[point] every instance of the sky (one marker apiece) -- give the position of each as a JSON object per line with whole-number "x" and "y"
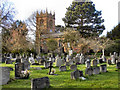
{"x": 25, "y": 8}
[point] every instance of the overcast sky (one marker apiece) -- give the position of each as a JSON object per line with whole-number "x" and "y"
{"x": 25, "y": 8}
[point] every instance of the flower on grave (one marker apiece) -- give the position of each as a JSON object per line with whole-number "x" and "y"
{"x": 24, "y": 74}
{"x": 53, "y": 71}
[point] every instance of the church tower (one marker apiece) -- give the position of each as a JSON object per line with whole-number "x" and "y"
{"x": 45, "y": 24}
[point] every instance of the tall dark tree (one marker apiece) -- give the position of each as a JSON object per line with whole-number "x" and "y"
{"x": 115, "y": 33}
{"x": 84, "y": 17}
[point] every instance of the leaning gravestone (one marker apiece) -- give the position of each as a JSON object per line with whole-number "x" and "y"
{"x": 76, "y": 74}
{"x": 96, "y": 70}
{"x": 62, "y": 68}
{"x": 39, "y": 83}
{"x": 103, "y": 68}
{"x": 89, "y": 71}
{"x": 19, "y": 67}
{"x": 4, "y": 75}
{"x": 73, "y": 67}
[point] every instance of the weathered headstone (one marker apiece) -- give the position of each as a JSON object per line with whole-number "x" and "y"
{"x": 4, "y": 75}
{"x": 70, "y": 62}
{"x": 96, "y": 70}
{"x": 62, "y": 68}
{"x": 76, "y": 74}
{"x": 89, "y": 71}
{"x": 103, "y": 68}
{"x": 39, "y": 83}
{"x": 73, "y": 67}
{"x": 19, "y": 67}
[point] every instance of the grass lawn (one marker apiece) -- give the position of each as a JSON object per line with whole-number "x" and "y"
{"x": 63, "y": 79}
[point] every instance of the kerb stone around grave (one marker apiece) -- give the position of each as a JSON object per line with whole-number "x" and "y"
{"x": 62, "y": 68}
{"x": 39, "y": 83}
{"x": 4, "y": 75}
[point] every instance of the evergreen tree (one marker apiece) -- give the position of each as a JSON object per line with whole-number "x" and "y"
{"x": 115, "y": 33}
{"x": 84, "y": 17}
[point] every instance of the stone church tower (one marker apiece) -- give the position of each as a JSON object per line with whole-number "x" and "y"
{"x": 45, "y": 24}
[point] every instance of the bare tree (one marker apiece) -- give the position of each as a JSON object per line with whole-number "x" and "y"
{"x": 7, "y": 13}
{"x": 35, "y": 30}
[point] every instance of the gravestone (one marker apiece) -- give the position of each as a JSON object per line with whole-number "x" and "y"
{"x": 8, "y": 61}
{"x": 96, "y": 70}
{"x": 103, "y": 68}
{"x": 82, "y": 59}
{"x": 89, "y": 71}
{"x": 58, "y": 62}
{"x": 113, "y": 59}
{"x": 76, "y": 74}
{"x": 88, "y": 63}
{"x": 62, "y": 68}
{"x": 118, "y": 65}
{"x": 26, "y": 65}
{"x": 39, "y": 83}
{"x": 109, "y": 61}
{"x": 94, "y": 62}
{"x": 18, "y": 60}
{"x": 31, "y": 60}
{"x": 4, "y": 75}
{"x": 19, "y": 67}
{"x": 46, "y": 64}
{"x": 70, "y": 62}
{"x": 73, "y": 67}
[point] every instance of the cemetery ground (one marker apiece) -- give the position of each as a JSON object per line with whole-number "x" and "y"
{"x": 63, "y": 79}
